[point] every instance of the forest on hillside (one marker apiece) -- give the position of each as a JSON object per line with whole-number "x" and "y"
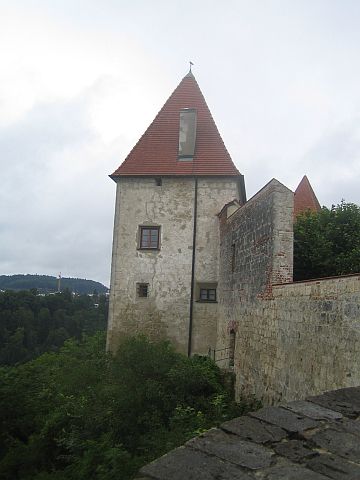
{"x": 31, "y": 324}
{"x": 49, "y": 284}
{"x": 70, "y": 411}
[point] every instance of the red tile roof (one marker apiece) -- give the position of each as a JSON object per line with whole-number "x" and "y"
{"x": 305, "y": 198}
{"x": 156, "y": 153}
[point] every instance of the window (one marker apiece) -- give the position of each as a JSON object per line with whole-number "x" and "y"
{"x": 206, "y": 292}
{"x": 207, "y": 295}
{"x": 142, "y": 290}
{"x": 149, "y": 238}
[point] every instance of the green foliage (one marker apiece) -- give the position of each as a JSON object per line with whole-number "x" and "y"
{"x": 48, "y": 284}
{"x": 82, "y": 414}
{"x": 327, "y": 243}
{"x": 31, "y": 324}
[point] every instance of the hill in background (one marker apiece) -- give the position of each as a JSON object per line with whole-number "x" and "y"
{"x": 48, "y": 284}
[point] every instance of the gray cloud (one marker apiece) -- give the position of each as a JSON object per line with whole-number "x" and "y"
{"x": 281, "y": 80}
{"x": 56, "y": 208}
{"x": 335, "y": 163}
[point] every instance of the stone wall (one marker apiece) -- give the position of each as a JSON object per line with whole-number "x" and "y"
{"x": 313, "y": 439}
{"x": 165, "y": 312}
{"x": 213, "y": 194}
{"x": 292, "y": 339}
{"x": 167, "y": 271}
{"x": 256, "y": 250}
{"x": 302, "y": 340}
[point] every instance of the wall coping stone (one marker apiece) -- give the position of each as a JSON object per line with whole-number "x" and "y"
{"x": 321, "y": 279}
{"x": 313, "y": 439}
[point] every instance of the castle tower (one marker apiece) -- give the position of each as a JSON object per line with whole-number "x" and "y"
{"x": 165, "y": 260}
{"x": 305, "y": 198}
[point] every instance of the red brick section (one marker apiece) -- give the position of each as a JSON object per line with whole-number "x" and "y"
{"x": 305, "y": 198}
{"x": 156, "y": 153}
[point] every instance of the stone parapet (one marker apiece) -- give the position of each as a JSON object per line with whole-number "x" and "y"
{"x": 314, "y": 439}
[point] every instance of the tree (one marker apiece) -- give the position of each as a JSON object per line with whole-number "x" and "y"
{"x": 327, "y": 243}
{"x": 80, "y": 413}
{"x": 31, "y": 324}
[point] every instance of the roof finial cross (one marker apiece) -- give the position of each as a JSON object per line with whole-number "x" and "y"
{"x": 191, "y": 64}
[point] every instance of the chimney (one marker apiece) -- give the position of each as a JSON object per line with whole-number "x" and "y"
{"x": 187, "y": 134}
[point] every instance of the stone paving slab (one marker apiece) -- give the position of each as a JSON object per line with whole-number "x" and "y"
{"x": 312, "y": 410}
{"x": 188, "y": 464}
{"x": 292, "y": 472}
{"x": 343, "y": 444}
{"x": 254, "y": 430}
{"x": 349, "y": 427}
{"x": 295, "y": 450}
{"x": 345, "y": 401}
{"x": 334, "y": 467}
{"x": 231, "y": 448}
{"x": 289, "y": 421}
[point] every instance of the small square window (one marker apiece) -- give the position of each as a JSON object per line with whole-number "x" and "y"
{"x": 142, "y": 290}
{"x": 208, "y": 294}
{"x": 149, "y": 238}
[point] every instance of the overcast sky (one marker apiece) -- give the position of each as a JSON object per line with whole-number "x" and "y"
{"x": 80, "y": 81}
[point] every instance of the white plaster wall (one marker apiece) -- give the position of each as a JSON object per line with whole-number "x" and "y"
{"x": 213, "y": 194}
{"x": 165, "y": 313}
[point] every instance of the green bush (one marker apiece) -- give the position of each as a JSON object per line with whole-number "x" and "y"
{"x": 327, "y": 243}
{"x": 80, "y": 414}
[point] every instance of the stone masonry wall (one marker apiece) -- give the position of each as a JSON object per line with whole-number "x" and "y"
{"x": 292, "y": 339}
{"x": 302, "y": 340}
{"x": 167, "y": 271}
{"x": 165, "y": 312}
{"x": 256, "y": 250}
{"x": 313, "y": 439}
{"x": 213, "y": 194}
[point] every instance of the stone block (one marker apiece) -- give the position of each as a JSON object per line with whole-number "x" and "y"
{"x": 344, "y": 444}
{"x": 334, "y": 467}
{"x": 345, "y": 401}
{"x": 349, "y": 426}
{"x": 285, "y": 419}
{"x": 254, "y": 430}
{"x": 312, "y": 410}
{"x": 295, "y": 450}
{"x": 292, "y": 472}
{"x": 185, "y": 463}
{"x": 231, "y": 448}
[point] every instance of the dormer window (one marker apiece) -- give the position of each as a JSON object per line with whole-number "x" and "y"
{"x": 187, "y": 134}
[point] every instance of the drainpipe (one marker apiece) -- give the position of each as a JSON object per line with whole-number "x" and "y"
{"x": 193, "y": 270}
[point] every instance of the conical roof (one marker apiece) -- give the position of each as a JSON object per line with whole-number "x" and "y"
{"x": 305, "y": 198}
{"x": 156, "y": 153}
